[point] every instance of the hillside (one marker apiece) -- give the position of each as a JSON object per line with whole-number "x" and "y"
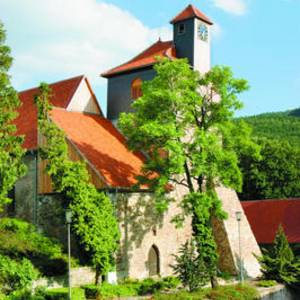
{"x": 277, "y": 125}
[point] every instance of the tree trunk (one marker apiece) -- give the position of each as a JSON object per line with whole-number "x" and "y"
{"x": 97, "y": 275}
{"x": 214, "y": 282}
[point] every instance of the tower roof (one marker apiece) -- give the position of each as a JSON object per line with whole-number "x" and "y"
{"x": 191, "y": 12}
{"x": 145, "y": 59}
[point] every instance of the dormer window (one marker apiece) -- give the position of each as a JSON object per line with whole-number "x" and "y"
{"x": 181, "y": 28}
{"x": 136, "y": 88}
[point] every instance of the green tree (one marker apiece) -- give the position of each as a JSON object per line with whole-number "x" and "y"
{"x": 184, "y": 122}
{"x": 276, "y": 175}
{"x": 189, "y": 267}
{"x": 11, "y": 152}
{"x": 279, "y": 263}
{"x": 94, "y": 218}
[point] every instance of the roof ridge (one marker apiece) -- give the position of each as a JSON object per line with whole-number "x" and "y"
{"x": 189, "y": 12}
{"x": 139, "y": 56}
{"x": 274, "y": 200}
{"x": 56, "y": 82}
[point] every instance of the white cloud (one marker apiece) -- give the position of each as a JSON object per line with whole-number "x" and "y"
{"x": 57, "y": 39}
{"x": 237, "y": 7}
{"x": 216, "y": 31}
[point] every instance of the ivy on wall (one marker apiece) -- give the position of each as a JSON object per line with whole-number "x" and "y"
{"x": 94, "y": 220}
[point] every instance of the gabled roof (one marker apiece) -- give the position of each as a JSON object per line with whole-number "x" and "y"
{"x": 102, "y": 145}
{"x": 191, "y": 12}
{"x": 145, "y": 59}
{"x": 26, "y": 122}
{"x": 265, "y": 216}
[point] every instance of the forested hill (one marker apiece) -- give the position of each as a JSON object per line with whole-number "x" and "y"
{"x": 277, "y": 125}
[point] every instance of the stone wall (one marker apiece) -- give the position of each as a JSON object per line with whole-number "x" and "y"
{"x": 25, "y": 191}
{"x": 141, "y": 228}
{"x": 227, "y": 236}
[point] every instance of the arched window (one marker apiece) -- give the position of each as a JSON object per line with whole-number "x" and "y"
{"x": 153, "y": 261}
{"x": 136, "y": 88}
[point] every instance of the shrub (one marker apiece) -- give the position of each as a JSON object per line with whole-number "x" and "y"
{"x": 190, "y": 267}
{"x": 20, "y": 239}
{"x": 170, "y": 282}
{"x": 279, "y": 262}
{"x": 234, "y": 292}
{"x": 91, "y": 291}
{"x": 109, "y": 290}
{"x": 15, "y": 275}
{"x": 266, "y": 283}
{"x": 62, "y": 294}
{"x": 237, "y": 292}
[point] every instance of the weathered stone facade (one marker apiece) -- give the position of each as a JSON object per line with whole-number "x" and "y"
{"x": 142, "y": 229}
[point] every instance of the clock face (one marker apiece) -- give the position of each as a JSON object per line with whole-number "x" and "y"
{"x": 203, "y": 32}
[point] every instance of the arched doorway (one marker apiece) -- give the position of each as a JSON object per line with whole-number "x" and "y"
{"x": 153, "y": 261}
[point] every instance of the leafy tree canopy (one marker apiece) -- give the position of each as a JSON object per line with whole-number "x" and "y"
{"x": 94, "y": 218}
{"x": 275, "y": 175}
{"x": 282, "y": 126}
{"x": 11, "y": 152}
{"x": 184, "y": 122}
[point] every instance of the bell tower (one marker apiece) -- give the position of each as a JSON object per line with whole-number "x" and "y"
{"x": 192, "y": 37}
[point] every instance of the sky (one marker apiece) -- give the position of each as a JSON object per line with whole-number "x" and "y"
{"x": 53, "y": 40}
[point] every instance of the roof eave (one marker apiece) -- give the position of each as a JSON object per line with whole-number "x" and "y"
{"x": 109, "y": 75}
{"x": 209, "y": 22}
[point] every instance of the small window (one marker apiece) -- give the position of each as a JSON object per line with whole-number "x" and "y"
{"x": 136, "y": 88}
{"x": 181, "y": 28}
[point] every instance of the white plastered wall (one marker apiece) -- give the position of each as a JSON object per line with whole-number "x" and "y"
{"x": 202, "y": 55}
{"x": 83, "y": 100}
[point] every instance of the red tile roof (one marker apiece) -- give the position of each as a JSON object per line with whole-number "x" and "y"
{"x": 26, "y": 122}
{"x": 191, "y": 12}
{"x": 146, "y": 58}
{"x": 265, "y": 216}
{"x": 102, "y": 145}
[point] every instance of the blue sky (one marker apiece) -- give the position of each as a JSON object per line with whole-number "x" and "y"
{"x": 53, "y": 39}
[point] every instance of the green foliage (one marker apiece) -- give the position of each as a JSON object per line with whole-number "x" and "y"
{"x": 131, "y": 287}
{"x": 275, "y": 175}
{"x": 232, "y": 292}
{"x": 20, "y": 239}
{"x": 190, "y": 268}
{"x": 94, "y": 218}
{"x": 281, "y": 126}
{"x": 238, "y": 292}
{"x": 62, "y": 294}
{"x": 16, "y": 274}
{"x": 266, "y": 283}
{"x": 191, "y": 140}
{"x": 11, "y": 152}
{"x": 279, "y": 263}
{"x": 110, "y": 290}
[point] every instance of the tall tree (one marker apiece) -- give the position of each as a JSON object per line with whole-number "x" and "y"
{"x": 276, "y": 175}
{"x": 94, "y": 218}
{"x": 11, "y": 152}
{"x": 184, "y": 122}
{"x": 279, "y": 263}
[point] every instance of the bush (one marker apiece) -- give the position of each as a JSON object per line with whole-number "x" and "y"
{"x": 91, "y": 291}
{"x": 170, "y": 282}
{"x": 237, "y": 292}
{"x": 109, "y": 290}
{"x": 20, "y": 239}
{"x": 62, "y": 294}
{"x": 16, "y": 275}
{"x": 266, "y": 283}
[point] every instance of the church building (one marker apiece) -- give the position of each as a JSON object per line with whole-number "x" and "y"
{"x": 149, "y": 240}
